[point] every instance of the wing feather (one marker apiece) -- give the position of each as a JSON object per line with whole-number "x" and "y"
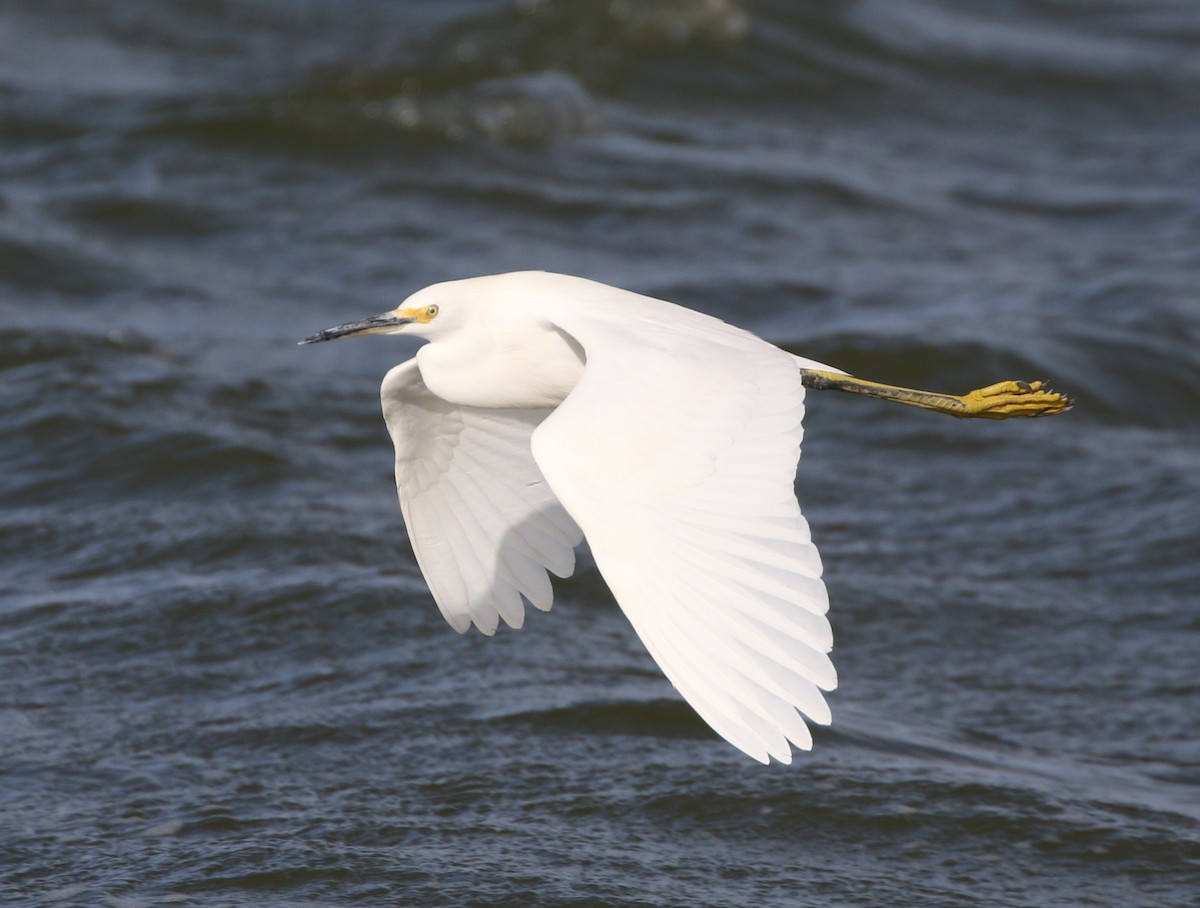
{"x": 676, "y": 454}
{"x": 484, "y": 525}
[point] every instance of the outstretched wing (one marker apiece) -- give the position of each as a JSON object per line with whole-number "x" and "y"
{"x": 676, "y": 453}
{"x": 483, "y": 523}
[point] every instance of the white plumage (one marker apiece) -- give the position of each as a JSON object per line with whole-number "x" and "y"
{"x": 547, "y": 408}
{"x": 483, "y": 524}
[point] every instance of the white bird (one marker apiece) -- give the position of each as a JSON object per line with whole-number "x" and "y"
{"x": 546, "y": 408}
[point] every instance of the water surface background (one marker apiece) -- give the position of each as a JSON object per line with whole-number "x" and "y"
{"x": 222, "y": 680}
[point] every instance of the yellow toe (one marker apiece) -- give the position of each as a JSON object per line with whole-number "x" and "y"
{"x": 1015, "y": 398}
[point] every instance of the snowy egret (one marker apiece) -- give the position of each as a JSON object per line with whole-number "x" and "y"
{"x": 546, "y": 408}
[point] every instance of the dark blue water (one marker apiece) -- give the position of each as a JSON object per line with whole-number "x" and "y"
{"x": 224, "y": 682}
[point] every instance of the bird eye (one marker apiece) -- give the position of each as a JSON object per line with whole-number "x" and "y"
{"x": 431, "y": 312}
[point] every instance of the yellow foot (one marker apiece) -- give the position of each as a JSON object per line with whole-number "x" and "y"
{"x": 1014, "y": 398}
